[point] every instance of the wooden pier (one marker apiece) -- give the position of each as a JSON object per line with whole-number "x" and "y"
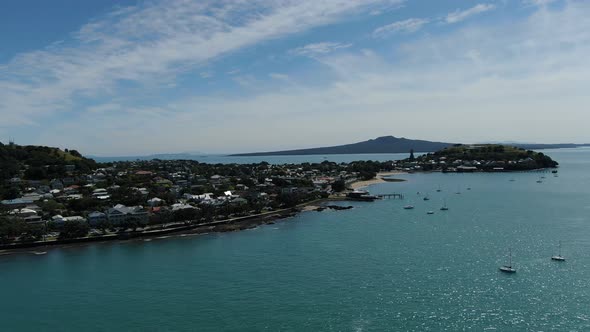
{"x": 393, "y": 196}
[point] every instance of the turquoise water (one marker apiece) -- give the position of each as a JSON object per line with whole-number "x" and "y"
{"x": 376, "y": 267}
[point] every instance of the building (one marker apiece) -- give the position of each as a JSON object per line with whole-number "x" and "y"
{"x": 120, "y": 214}
{"x": 60, "y": 220}
{"x": 16, "y": 203}
{"x": 96, "y": 218}
{"x": 57, "y": 184}
{"x": 155, "y": 201}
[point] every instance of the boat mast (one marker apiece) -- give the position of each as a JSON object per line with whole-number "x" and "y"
{"x": 509, "y": 257}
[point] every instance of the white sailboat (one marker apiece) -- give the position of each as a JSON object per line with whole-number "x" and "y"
{"x": 444, "y": 207}
{"x": 558, "y": 257}
{"x": 508, "y": 268}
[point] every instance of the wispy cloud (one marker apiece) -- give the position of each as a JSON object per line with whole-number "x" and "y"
{"x": 461, "y": 15}
{"x": 316, "y": 49}
{"x": 149, "y": 45}
{"x": 537, "y": 2}
{"x": 279, "y": 76}
{"x": 409, "y": 25}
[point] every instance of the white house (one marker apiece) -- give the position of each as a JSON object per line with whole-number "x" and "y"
{"x": 155, "y": 201}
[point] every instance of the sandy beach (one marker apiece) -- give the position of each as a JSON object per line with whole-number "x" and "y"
{"x": 378, "y": 179}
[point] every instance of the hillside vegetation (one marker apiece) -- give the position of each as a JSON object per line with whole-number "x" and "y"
{"x": 38, "y": 163}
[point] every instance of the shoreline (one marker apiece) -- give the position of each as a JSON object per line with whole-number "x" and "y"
{"x": 355, "y": 185}
{"x": 182, "y": 230}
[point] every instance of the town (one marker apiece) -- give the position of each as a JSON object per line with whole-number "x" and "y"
{"x": 52, "y": 195}
{"x": 84, "y": 199}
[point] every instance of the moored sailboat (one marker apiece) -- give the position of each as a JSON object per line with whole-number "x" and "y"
{"x": 508, "y": 268}
{"x": 444, "y": 207}
{"x": 558, "y": 257}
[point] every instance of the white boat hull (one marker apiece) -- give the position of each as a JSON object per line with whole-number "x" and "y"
{"x": 508, "y": 269}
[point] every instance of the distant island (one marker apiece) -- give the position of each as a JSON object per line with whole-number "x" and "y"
{"x": 534, "y": 146}
{"x": 392, "y": 144}
{"x": 385, "y": 144}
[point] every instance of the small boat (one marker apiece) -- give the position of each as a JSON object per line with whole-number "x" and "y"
{"x": 558, "y": 257}
{"x": 444, "y": 207}
{"x": 438, "y": 190}
{"x": 512, "y": 180}
{"x": 39, "y": 252}
{"x": 426, "y": 198}
{"x": 430, "y": 212}
{"x": 539, "y": 181}
{"x": 408, "y": 207}
{"x": 554, "y": 171}
{"x": 508, "y": 268}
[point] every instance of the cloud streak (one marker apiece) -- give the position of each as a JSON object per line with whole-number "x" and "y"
{"x": 461, "y": 15}
{"x": 405, "y": 26}
{"x": 315, "y": 49}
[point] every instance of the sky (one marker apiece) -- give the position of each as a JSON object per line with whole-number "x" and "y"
{"x": 112, "y": 78}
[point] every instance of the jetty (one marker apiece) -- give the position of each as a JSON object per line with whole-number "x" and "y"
{"x": 391, "y": 196}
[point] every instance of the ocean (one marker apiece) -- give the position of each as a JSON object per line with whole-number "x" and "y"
{"x": 275, "y": 160}
{"x": 376, "y": 267}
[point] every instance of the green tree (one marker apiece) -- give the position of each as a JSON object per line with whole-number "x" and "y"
{"x": 338, "y": 185}
{"x": 73, "y": 229}
{"x": 104, "y": 226}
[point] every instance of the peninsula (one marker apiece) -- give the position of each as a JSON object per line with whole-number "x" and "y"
{"x": 53, "y": 196}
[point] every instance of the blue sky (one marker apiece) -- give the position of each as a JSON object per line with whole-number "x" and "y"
{"x": 140, "y": 77}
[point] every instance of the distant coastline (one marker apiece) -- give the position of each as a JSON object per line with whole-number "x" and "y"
{"x": 245, "y": 158}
